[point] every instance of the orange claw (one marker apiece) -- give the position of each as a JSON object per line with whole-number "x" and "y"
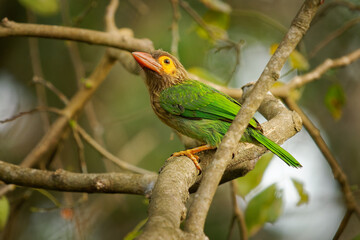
{"x": 190, "y": 154}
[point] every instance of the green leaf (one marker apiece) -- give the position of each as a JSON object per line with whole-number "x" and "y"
{"x": 41, "y": 7}
{"x": 217, "y": 22}
{"x": 264, "y": 207}
{"x": 4, "y": 212}
{"x": 205, "y": 74}
{"x": 253, "y": 178}
{"x": 49, "y": 196}
{"x": 217, "y": 5}
{"x": 335, "y": 100}
{"x": 296, "y": 59}
{"x": 304, "y": 196}
{"x": 136, "y": 231}
{"x": 73, "y": 123}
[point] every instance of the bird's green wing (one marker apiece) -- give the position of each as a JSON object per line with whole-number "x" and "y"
{"x": 195, "y": 100}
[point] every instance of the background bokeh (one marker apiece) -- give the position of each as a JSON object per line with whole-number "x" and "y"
{"x": 132, "y": 132}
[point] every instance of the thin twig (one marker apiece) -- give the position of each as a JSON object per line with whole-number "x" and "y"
{"x": 299, "y": 81}
{"x": 124, "y": 165}
{"x": 38, "y": 73}
{"x": 197, "y": 18}
{"x": 77, "y": 20}
{"x": 81, "y": 153}
{"x": 343, "y": 224}
{"x": 51, "y": 87}
{"x": 237, "y": 48}
{"x": 110, "y": 16}
{"x": 333, "y": 35}
{"x": 238, "y": 214}
{"x": 175, "y": 28}
{"x": 49, "y": 142}
{"x": 37, "y": 109}
{"x": 338, "y": 173}
{"x": 229, "y": 44}
{"x": 89, "y": 110}
{"x": 347, "y": 4}
{"x": 231, "y": 227}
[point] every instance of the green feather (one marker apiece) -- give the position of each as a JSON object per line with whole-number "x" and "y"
{"x": 202, "y": 112}
{"x": 274, "y": 148}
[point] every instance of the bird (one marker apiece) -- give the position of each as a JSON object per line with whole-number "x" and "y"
{"x": 195, "y": 109}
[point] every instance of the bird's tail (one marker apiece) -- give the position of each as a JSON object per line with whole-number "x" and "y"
{"x": 273, "y": 147}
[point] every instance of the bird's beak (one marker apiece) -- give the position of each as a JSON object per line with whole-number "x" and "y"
{"x": 145, "y": 60}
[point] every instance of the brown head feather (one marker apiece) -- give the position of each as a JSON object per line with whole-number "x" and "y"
{"x": 157, "y": 82}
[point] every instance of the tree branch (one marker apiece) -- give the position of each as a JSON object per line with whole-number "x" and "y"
{"x": 212, "y": 175}
{"x": 237, "y": 212}
{"x": 299, "y": 81}
{"x": 10, "y": 28}
{"x": 62, "y": 180}
{"x": 283, "y": 125}
{"x": 167, "y": 206}
{"x": 343, "y": 224}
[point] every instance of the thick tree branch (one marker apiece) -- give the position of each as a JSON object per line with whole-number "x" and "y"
{"x": 167, "y": 206}
{"x": 212, "y": 175}
{"x": 9, "y": 28}
{"x": 62, "y": 180}
{"x": 283, "y": 125}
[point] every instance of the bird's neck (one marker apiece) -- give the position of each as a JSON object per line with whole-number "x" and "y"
{"x": 157, "y": 85}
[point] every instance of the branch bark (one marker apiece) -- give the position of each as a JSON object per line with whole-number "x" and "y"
{"x": 62, "y": 180}
{"x": 10, "y": 28}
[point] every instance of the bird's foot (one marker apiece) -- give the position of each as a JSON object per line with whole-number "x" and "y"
{"x": 190, "y": 153}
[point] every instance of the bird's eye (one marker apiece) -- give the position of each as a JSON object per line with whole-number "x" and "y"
{"x": 167, "y": 61}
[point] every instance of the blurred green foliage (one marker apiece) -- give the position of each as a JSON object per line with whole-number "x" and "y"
{"x": 264, "y": 207}
{"x": 251, "y": 180}
{"x": 335, "y": 100}
{"x": 304, "y": 196}
{"x": 4, "y": 212}
{"x": 41, "y": 7}
{"x": 130, "y": 129}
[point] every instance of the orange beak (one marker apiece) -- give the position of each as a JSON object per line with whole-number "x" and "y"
{"x": 145, "y": 60}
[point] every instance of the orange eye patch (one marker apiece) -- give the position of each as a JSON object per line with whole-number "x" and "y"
{"x": 168, "y": 65}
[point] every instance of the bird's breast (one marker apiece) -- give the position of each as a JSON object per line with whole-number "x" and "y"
{"x": 163, "y": 115}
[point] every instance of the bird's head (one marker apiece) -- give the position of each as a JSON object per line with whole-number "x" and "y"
{"x": 161, "y": 68}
